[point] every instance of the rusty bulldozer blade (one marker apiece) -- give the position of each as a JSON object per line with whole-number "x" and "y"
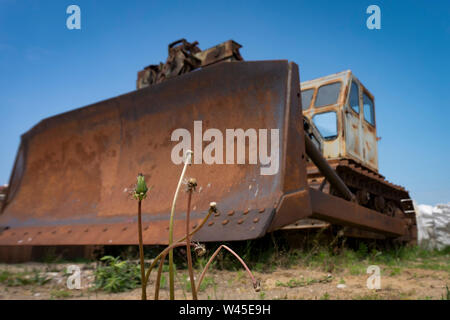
{"x": 70, "y": 179}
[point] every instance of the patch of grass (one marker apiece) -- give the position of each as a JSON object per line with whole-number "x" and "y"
{"x": 446, "y": 295}
{"x": 357, "y": 269}
{"x": 362, "y": 250}
{"x": 60, "y": 294}
{"x": 163, "y": 282}
{"x": 259, "y": 267}
{"x": 430, "y": 265}
{"x": 200, "y": 263}
{"x": 294, "y": 283}
{"x": 403, "y": 255}
{"x": 206, "y": 283}
{"x": 325, "y": 296}
{"x": 262, "y": 295}
{"x": 239, "y": 275}
{"x": 357, "y": 261}
{"x": 116, "y": 275}
{"x": 23, "y": 278}
{"x": 395, "y": 271}
{"x": 371, "y": 296}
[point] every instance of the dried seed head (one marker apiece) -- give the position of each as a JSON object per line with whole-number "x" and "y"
{"x": 257, "y": 286}
{"x": 199, "y": 249}
{"x": 191, "y": 184}
{"x": 213, "y": 207}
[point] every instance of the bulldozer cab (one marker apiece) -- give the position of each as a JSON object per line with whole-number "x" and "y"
{"x": 343, "y": 111}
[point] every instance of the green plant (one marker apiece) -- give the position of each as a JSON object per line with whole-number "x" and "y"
{"x": 172, "y": 214}
{"x": 239, "y": 275}
{"x": 256, "y": 284}
{"x": 161, "y": 255}
{"x": 192, "y": 184}
{"x": 372, "y": 296}
{"x": 60, "y": 294}
{"x": 163, "y": 283}
{"x": 116, "y": 275}
{"x": 362, "y": 250}
{"x": 23, "y": 278}
{"x": 140, "y": 193}
{"x": 207, "y": 282}
{"x": 326, "y": 296}
{"x": 395, "y": 271}
{"x": 294, "y": 283}
{"x": 199, "y": 249}
{"x": 446, "y": 295}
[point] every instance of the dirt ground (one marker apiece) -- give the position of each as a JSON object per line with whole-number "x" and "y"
{"x": 293, "y": 283}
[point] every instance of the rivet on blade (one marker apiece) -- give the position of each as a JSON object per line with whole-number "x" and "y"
{"x": 230, "y": 213}
{"x": 224, "y": 222}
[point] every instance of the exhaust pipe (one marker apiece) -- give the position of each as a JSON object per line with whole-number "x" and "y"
{"x": 328, "y": 172}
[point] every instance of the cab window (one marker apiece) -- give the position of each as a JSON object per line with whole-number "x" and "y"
{"x": 353, "y": 100}
{"x": 326, "y": 123}
{"x": 306, "y": 98}
{"x": 369, "y": 112}
{"x": 328, "y": 94}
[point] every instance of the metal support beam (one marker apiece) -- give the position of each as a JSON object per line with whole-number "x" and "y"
{"x": 336, "y": 210}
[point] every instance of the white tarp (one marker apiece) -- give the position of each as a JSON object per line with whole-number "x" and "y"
{"x": 433, "y": 226}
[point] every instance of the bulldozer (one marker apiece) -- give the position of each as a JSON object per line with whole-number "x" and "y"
{"x": 71, "y": 178}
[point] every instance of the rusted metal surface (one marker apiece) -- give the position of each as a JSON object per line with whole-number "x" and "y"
{"x": 356, "y": 139}
{"x": 226, "y": 51}
{"x": 307, "y": 224}
{"x": 328, "y": 172}
{"x": 184, "y": 57}
{"x": 72, "y": 170}
{"x": 69, "y": 185}
{"x": 339, "y": 211}
{"x": 382, "y": 195}
{"x": 353, "y": 152}
{"x": 3, "y": 192}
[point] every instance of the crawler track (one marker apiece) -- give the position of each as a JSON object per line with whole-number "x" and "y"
{"x": 372, "y": 190}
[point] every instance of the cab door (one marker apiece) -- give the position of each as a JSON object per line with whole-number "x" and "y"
{"x": 369, "y": 133}
{"x": 352, "y": 116}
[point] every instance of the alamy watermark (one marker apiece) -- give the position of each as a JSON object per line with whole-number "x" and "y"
{"x": 374, "y": 20}
{"x": 374, "y": 281}
{"x": 74, "y": 280}
{"x": 74, "y": 20}
{"x": 220, "y": 151}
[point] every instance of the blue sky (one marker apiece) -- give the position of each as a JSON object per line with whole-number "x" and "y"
{"x": 47, "y": 69}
